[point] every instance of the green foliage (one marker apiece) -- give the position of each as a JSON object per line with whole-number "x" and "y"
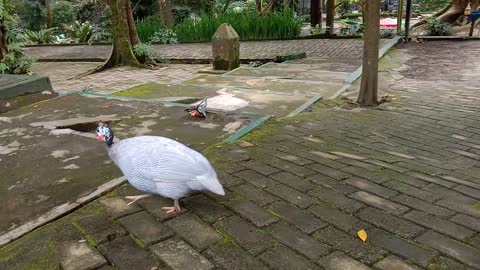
{"x": 63, "y": 13}
{"x": 145, "y": 50}
{"x": 147, "y": 27}
{"x": 43, "y": 36}
{"x": 429, "y": 5}
{"x": 247, "y": 24}
{"x": 388, "y": 33}
{"x": 31, "y": 14}
{"x": 438, "y": 28}
{"x": 164, "y": 36}
{"x": 181, "y": 13}
{"x": 80, "y": 32}
{"x": 16, "y": 61}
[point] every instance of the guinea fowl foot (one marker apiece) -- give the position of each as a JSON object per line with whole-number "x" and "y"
{"x": 136, "y": 198}
{"x": 172, "y": 209}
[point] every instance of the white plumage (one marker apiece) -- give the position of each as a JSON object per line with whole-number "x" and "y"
{"x": 158, "y": 165}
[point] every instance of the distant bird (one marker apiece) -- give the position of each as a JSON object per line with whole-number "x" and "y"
{"x": 199, "y": 110}
{"x": 158, "y": 165}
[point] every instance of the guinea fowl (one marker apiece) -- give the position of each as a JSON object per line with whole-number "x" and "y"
{"x": 158, "y": 165}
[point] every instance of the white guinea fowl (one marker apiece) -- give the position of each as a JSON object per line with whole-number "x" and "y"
{"x": 158, "y": 165}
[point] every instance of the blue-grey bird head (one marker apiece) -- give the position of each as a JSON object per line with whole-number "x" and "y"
{"x": 105, "y": 133}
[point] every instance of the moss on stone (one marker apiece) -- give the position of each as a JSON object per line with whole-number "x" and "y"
{"x": 140, "y": 91}
{"x": 138, "y": 241}
{"x": 89, "y": 238}
{"x": 227, "y": 239}
{"x": 476, "y": 205}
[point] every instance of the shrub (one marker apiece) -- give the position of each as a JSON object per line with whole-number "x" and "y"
{"x": 181, "y": 13}
{"x": 438, "y": 28}
{"x": 43, "y": 36}
{"x": 63, "y": 13}
{"x": 32, "y": 15}
{"x": 164, "y": 36}
{"x": 80, "y": 32}
{"x": 147, "y": 27}
{"x": 429, "y": 5}
{"x": 145, "y": 50}
{"x": 388, "y": 33}
{"x": 246, "y": 23}
{"x": 16, "y": 61}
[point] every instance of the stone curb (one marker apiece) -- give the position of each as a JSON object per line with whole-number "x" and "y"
{"x": 59, "y": 211}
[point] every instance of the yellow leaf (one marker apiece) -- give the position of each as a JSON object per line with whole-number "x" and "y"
{"x": 362, "y": 234}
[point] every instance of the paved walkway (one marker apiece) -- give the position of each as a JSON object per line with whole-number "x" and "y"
{"x": 252, "y": 50}
{"x": 406, "y": 172}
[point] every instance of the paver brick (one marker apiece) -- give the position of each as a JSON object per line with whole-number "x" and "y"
{"x": 282, "y": 258}
{"x": 178, "y": 255}
{"x": 252, "y": 212}
{"x": 198, "y": 233}
{"x": 330, "y": 172}
{"x": 412, "y": 191}
{"x": 467, "y": 221}
{"x": 100, "y": 228}
{"x": 390, "y": 223}
{"x": 298, "y": 241}
{"x": 144, "y": 227}
{"x": 401, "y": 247}
{"x": 439, "y": 225}
{"x": 256, "y": 178}
{"x": 299, "y": 199}
{"x": 451, "y": 247}
{"x": 394, "y": 263}
{"x": 255, "y": 194}
{"x": 206, "y": 209}
{"x": 338, "y": 219}
{"x": 245, "y": 234}
{"x": 346, "y": 204}
{"x": 80, "y": 256}
{"x": 124, "y": 253}
{"x": 339, "y": 261}
{"x": 259, "y": 167}
{"x": 469, "y": 191}
{"x": 229, "y": 256}
{"x": 351, "y": 245}
{"x": 292, "y": 181}
{"x": 423, "y": 206}
{"x": 332, "y": 184}
{"x": 154, "y": 205}
{"x": 379, "y": 202}
{"x": 117, "y": 207}
{"x": 299, "y": 218}
{"x": 371, "y": 187}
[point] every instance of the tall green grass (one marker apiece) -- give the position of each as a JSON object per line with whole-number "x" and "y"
{"x": 248, "y": 25}
{"x": 146, "y": 27}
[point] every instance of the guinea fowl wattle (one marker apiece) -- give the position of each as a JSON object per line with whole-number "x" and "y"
{"x": 158, "y": 165}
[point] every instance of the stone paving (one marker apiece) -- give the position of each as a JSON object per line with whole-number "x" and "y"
{"x": 298, "y": 190}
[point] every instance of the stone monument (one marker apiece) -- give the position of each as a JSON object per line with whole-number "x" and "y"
{"x": 225, "y": 48}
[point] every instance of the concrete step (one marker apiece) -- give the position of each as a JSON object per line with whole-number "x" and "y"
{"x": 326, "y": 66}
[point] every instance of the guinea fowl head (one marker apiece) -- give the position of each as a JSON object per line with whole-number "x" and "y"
{"x": 105, "y": 133}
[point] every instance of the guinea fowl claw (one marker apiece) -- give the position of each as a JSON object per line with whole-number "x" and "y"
{"x": 136, "y": 198}
{"x": 169, "y": 210}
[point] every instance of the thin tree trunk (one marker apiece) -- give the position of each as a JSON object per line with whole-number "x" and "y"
{"x": 160, "y": 11}
{"x": 3, "y": 40}
{"x": 330, "y": 16}
{"x": 227, "y": 4}
{"x": 132, "y": 29}
{"x": 315, "y": 12}
{"x": 49, "y": 13}
{"x": 369, "y": 83}
{"x": 258, "y": 6}
{"x": 320, "y": 13}
{"x": 168, "y": 11}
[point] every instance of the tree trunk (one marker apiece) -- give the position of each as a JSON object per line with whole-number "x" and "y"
{"x": 3, "y": 40}
{"x": 453, "y": 11}
{"x": 122, "y": 53}
{"x": 132, "y": 29}
{"x": 315, "y": 12}
{"x": 369, "y": 83}
{"x": 49, "y": 13}
{"x": 258, "y": 6}
{"x": 168, "y": 11}
{"x": 160, "y": 11}
{"x": 330, "y": 16}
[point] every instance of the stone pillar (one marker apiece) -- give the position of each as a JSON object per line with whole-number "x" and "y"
{"x": 225, "y": 48}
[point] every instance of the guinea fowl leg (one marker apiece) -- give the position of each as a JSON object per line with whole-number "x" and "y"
{"x": 172, "y": 209}
{"x": 136, "y": 198}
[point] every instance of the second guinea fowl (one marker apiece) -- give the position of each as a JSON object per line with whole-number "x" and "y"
{"x": 158, "y": 165}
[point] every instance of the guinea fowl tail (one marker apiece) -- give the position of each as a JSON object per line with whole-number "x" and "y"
{"x": 212, "y": 184}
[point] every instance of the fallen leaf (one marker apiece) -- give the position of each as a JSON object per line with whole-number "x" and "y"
{"x": 106, "y": 105}
{"x": 362, "y": 234}
{"x": 35, "y": 106}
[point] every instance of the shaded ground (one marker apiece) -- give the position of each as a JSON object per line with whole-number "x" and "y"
{"x": 407, "y": 172}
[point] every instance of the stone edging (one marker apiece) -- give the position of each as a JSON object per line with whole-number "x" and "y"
{"x": 59, "y": 211}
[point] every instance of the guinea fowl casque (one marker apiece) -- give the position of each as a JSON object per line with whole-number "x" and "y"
{"x": 158, "y": 165}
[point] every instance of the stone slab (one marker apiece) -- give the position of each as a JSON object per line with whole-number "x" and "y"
{"x": 283, "y": 258}
{"x": 125, "y": 254}
{"x": 144, "y": 227}
{"x": 196, "y": 232}
{"x": 178, "y": 255}
{"x": 339, "y": 261}
{"x": 80, "y": 256}
{"x": 228, "y": 255}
